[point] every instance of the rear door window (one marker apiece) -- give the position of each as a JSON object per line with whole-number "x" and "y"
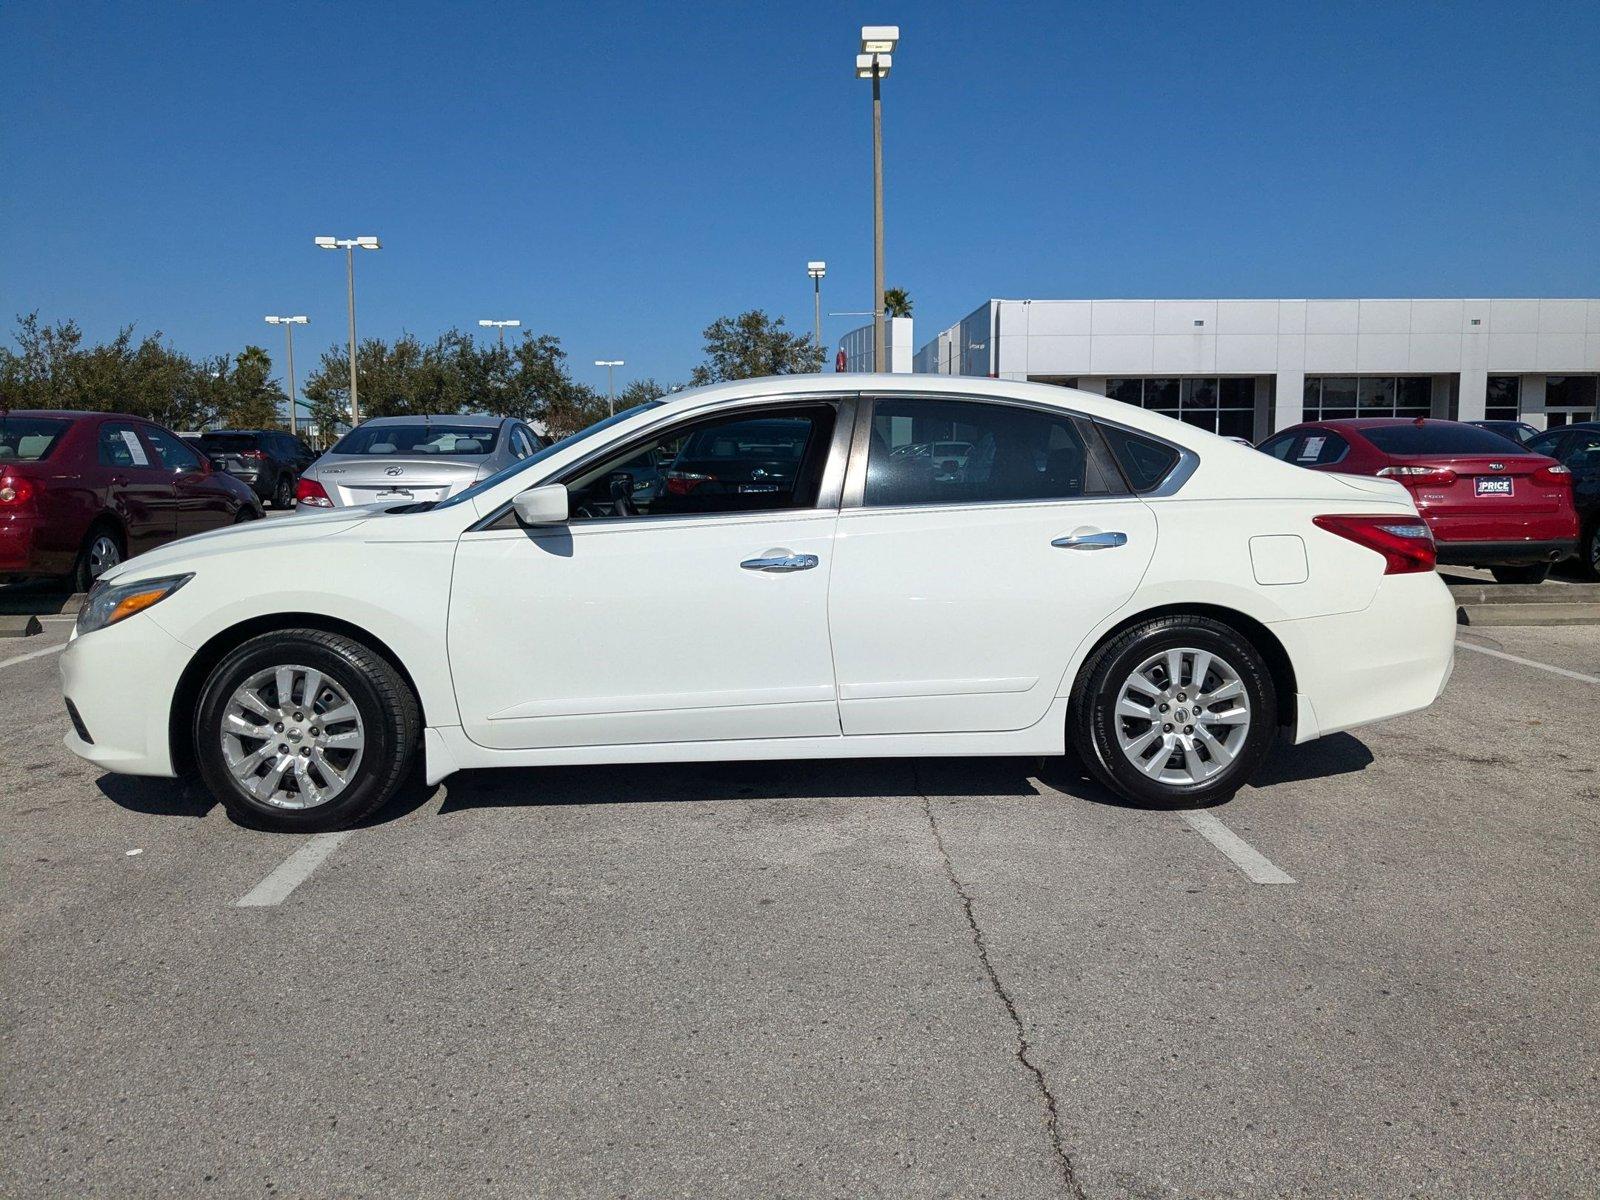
{"x": 120, "y": 446}
{"x": 969, "y": 452}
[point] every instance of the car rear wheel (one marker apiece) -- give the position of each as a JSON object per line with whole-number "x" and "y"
{"x": 303, "y": 730}
{"x": 101, "y": 550}
{"x": 283, "y": 494}
{"x": 1175, "y": 711}
{"x": 1527, "y": 573}
{"x": 1589, "y": 552}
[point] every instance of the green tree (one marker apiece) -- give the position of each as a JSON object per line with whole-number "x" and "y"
{"x": 249, "y": 398}
{"x": 640, "y": 391}
{"x": 752, "y": 345}
{"x": 896, "y": 302}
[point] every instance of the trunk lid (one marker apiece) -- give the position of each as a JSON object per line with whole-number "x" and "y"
{"x": 1486, "y": 484}
{"x": 360, "y": 479}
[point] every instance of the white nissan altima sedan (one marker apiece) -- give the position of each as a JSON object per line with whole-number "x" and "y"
{"x": 780, "y": 569}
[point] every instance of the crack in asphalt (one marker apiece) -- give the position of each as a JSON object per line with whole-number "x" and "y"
{"x": 1069, "y": 1174}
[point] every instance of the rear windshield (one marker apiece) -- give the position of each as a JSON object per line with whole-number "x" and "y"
{"x": 29, "y": 439}
{"x": 1436, "y": 437}
{"x": 430, "y": 437}
{"x": 230, "y": 441}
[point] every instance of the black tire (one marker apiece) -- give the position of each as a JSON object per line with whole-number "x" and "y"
{"x": 283, "y": 491}
{"x": 1589, "y": 552}
{"x": 389, "y": 714}
{"x": 1092, "y": 723}
{"x": 91, "y": 561}
{"x": 1527, "y": 573}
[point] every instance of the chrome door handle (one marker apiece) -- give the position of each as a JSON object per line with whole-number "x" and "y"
{"x": 784, "y": 562}
{"x": 1091, "y": 541}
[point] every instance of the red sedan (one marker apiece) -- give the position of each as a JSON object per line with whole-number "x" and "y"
{"x": 1489, "y": 502}
{"x": 80, "y": 492}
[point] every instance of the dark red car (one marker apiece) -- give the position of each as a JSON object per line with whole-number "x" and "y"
{"x": 80, "y": 492}
{"x": 1489, "y": 502}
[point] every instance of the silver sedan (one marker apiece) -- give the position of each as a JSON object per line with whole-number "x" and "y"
{"x": 405, "y": 460}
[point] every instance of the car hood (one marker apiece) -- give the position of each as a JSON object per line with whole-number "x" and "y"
{"x": 180, "y": 555}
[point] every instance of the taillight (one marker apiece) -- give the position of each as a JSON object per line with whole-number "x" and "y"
{"x": 681, "y": 483}
{"x": 1555, "y": 475}
{"x": 309, "y": 491}
{"x": 1420, "y": 476}
{"x": 258, "y": 455}
{"x": 1406, "y": 543}
{"x": 15, "y": 490}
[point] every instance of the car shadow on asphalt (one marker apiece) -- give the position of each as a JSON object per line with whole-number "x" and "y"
{"x": 817, "y": 779}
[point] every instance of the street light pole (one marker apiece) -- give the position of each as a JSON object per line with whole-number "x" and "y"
{"x": 288, "y": 324}
{"x": 348, "y": 245}
{"x": 502, "y": 326}
{"x": 611, "y": 392}
{"x": 817, "y": 270}
{"x": 876, "y": 57}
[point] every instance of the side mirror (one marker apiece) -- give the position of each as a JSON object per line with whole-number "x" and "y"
{"x": 545, "y": 505}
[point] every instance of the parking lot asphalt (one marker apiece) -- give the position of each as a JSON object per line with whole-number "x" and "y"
{"x": 886, "y": 978}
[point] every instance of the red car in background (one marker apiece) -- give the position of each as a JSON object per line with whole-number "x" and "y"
{"x": 1489, "y": 502}
{"x": 81, "y": 492}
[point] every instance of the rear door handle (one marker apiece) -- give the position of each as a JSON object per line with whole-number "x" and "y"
{"x": 1091, "y": 541}
{"x": 781, "y": 563}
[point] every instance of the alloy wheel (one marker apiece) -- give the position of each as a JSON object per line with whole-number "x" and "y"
{"x": 104, "y": 554}
{"x": 1182, "y": 716}
{"x": 292, "y": 737}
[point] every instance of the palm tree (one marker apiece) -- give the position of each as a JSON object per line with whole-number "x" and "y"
{"x": 896, "y": 302}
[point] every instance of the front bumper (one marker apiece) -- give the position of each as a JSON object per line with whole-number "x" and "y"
{"x": 1505, "y": 554}
{"x": 121, "y": 681}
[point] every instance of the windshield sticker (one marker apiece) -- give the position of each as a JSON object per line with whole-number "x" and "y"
{"x": 1313, "y": 448}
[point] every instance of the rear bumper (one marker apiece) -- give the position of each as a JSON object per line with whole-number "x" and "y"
{"x": 1393, "y": 657}
{"x": 26, "y": 549}
{"x": 1505, "y": 554}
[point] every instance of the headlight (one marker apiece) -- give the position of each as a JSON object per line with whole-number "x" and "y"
{"x": 109, "y": 603}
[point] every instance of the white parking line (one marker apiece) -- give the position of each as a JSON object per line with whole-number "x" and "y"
{"x": 293, "y": 871}
{"x": 1256, "y": 866}
{"x": 1527, "y": 662}
{"x": 22, "y": 658}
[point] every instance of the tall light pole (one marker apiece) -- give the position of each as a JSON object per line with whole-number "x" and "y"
{"x": 348, "y": 245}
{"x": 876, "y": 57}
{"x": 288, "y": 324}
{"x": 817, "y": 270}
{"x": 502, "y": 326}
{"x": 610, "y": 364}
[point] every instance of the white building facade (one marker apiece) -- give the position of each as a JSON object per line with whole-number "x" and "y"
{"x": 1250, "y": 367}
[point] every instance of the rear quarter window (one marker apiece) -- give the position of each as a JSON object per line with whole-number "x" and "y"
{"x": 1145, "y": 461}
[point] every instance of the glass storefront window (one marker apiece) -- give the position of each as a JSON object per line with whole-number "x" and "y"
{"x": 1503, "y": 401}
{"x": 1340, "y": 397}
{"x": 1221, "y": 405}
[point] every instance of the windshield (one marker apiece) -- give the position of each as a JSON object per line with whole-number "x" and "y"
{"x": 506, "y": 473}
{"x": 28, "y": 439}
{"x": 1436, "y": 437}
{"x": 425, "y": 437}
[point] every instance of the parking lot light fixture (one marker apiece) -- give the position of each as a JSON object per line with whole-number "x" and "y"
{"x": 502, "y": 326}
{"x": 288, "y": 324}
{"x": 610, "y": 364}
{"x": 817, "y": 269}
{"x": 876, "y": 57}
{"x": 348, "y": 245}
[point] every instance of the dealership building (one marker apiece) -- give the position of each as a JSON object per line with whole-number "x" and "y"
{"x": 1249, "y": 367}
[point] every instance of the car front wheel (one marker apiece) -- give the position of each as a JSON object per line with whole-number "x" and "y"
{"x": 304, "y": 730}
{"x": 1175, "y": 711}
{"x": 1526, "y": 573}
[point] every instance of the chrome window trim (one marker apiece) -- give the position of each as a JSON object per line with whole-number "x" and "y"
{"x": 856, "y": 478}
{"x": 828, "y": 489}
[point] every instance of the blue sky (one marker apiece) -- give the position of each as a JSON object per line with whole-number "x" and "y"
{"x": 619, "y": 175}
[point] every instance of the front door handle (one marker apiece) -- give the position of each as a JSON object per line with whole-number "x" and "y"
{"x": 1091, "y": 541}
{"x": 781, "y": 563}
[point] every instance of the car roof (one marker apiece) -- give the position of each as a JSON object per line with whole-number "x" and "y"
{"x": 70, "y": 414}
{"x": 484, "y": 419}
